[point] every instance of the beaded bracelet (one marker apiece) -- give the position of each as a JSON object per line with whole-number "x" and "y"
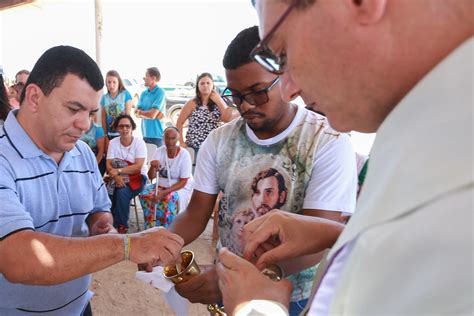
{"x": 127, "y": 246}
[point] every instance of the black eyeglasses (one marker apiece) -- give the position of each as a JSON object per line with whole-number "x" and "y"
{"x": 128, "y": 126}
{"x": 263, "y": 55}
{"x": 255, "y": 97}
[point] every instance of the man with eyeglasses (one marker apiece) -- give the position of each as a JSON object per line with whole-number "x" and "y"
{"x": 402, "y": 69}
{"x": 301, "y": 165}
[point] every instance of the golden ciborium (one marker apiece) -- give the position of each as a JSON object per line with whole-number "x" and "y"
{"x": 188, "y": 268}
{"x": 184, "y": 271}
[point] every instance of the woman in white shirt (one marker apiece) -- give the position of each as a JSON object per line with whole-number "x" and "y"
{"x": 172, "y": 166}
{"x": 126, "y": 166}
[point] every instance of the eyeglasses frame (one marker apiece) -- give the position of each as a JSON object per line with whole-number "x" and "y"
{"x": 242, "y": 96}
{"x": 262, "y": 46}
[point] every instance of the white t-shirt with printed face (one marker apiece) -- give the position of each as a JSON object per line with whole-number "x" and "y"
{"x": 307, "y": 166}
{"x": 333, "y": 177}
{"x": 180, "y": 167}
{"x": 137, "y": 149}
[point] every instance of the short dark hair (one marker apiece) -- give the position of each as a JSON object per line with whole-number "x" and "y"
{"x": 238, "y": 51}
{"x": 59, "y": 61}
{"x": 267, "y": 173}
{"x": 124, "y": 116}
{"x": 153, "y": 71}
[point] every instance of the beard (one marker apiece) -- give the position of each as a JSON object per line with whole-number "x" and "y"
{"x": 262, "y": 210}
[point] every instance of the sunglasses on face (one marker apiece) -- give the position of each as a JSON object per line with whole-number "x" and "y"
{"x": 262, "y": 53}
{"x": 255, "y": 97}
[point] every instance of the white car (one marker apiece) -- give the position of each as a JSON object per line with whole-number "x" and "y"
{"x": 134, "y": 87}
{"x": 176, "y": 96}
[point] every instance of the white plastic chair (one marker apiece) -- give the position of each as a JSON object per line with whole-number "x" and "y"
{"x": 150, "y": 148}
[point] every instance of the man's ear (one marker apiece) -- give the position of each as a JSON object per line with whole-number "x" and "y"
{"x": 282, "y": 197}
{"x": 33, "y": 94}
{"x": 368, "y": 11}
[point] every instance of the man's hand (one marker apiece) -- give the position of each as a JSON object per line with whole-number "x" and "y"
{"x": 202, "y": 288}
{"x": 280, "y": 235}
{"x": 155, "y": 246}
{"x": 241, "y": 282}
{"x": 100, "y": 223}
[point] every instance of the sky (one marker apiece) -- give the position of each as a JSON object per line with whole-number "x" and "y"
{"x": 180, "y": 37}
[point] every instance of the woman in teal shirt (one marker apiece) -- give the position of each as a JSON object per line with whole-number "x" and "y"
{"x": 115, "y": 102}
{"x": 95, "y": 138}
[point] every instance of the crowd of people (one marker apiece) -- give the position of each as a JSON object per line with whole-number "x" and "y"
{"x": 122, "y": 161}
{"x": 287, "y": 176}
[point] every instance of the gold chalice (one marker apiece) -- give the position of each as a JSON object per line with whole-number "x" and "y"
{"x": 188, "y": 268}
{"x": 182, "y": 272}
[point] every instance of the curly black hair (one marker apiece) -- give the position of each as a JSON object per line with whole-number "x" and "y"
{"x": 123, "y": 116}
{"x": 238, "y": 51}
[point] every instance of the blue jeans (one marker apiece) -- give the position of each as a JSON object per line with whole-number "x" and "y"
{"x": 157, "y": 141}
{"x": 297, "y": 307}
{"x": 121, "y": 203}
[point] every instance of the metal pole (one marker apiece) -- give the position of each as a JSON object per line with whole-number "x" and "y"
{"x": 99, "y": 22}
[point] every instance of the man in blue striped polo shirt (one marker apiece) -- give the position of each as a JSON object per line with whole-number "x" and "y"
{"x": 55, "y": 223}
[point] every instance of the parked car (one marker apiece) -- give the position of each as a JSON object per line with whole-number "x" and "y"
{"x": 174, "y": 105}
{"x": 134, "y": 87}
{"x": 178, "y": 95}
{"x": 219, "y": 83}
{"x": 176, "y": 98}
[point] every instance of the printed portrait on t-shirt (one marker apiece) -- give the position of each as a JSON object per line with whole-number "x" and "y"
{"x": 113, "y": 112}
{"x": 256, "y": 176}
{"x": 241, "y": 217}
{"x": 268, "y": 191}
{"x": 265, "y": 190}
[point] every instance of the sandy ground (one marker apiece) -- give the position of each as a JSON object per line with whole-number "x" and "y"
{"x": 117, "y": 292}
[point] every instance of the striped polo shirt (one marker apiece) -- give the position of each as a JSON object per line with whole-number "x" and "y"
{"x": 38, "y": 194}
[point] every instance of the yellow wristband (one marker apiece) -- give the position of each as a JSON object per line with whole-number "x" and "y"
{"x": 126, "y": 246}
